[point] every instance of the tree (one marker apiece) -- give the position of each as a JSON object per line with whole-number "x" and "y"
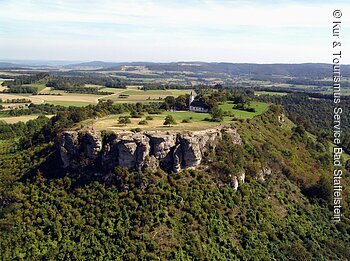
{"x": 217, "y": 114}
{"x": 182, "y": 101}
{"x": 124, "y": 120}
{"x": 169, "y": 102}
{"x": 169, "y": 120}
{"x": 241, "y": 102}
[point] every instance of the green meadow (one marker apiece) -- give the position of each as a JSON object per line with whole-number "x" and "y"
{"x": 194, "y": 120}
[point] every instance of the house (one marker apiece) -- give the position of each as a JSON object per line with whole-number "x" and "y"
{"x": 197, "y": 106}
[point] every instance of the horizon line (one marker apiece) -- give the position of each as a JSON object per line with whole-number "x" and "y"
{"x": 165, "y": 62}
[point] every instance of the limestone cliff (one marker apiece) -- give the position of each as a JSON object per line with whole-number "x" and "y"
{"x": 147, "y": 149}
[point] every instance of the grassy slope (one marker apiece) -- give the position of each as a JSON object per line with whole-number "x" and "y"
{"x": 278, "y": 137}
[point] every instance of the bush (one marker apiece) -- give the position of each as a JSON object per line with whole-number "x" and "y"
{"x": 124, "y": 120}
{"x": 169, "y": 120}
{"x": 250, "y": 110}
{"x": 143, "y": 122}
{"x": 155, "y": 112}
{"x": 187, "y": 120}
{"x": 135, "y": 114}
{"x": 149, "y": 118}
{"x": 217, "y": 114}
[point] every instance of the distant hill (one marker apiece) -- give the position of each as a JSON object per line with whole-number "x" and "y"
{"x": 314, "y": 70}
{"x": 306, "y": 69}
{"x": 11, "y": 65}
{"x": 93, "y": 64}
{"x": 52, "y": 64}
{"x": 253, "y": 69}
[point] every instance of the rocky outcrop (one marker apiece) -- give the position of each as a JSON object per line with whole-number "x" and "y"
{"x": 192, "y": 143}
{"x": 162, "y": 144}
{"x": 91, "y": 144}
{"x": 68, "y": 147}
{"x": 236, "y": 181}
{"x": 281, "y": 118}
{"x": 264, "y": 173}
{"x": 148, "y": 149}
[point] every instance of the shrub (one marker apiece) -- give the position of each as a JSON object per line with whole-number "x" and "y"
{"x": 155, "y": 112}
{"x": 135, "y": 114}
{"x": 250, "y": 110}
{"x": 169, "y": 120}
{"x": 124, "y": 120}
{"x": 143, "y": 122}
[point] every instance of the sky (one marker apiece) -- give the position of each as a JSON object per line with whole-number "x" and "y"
{"x": 268, "y": 31}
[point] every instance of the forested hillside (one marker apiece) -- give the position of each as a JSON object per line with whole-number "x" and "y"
{"x": 282, "y": 212}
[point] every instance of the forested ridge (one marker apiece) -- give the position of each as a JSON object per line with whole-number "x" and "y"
{"x": 49, "y": 214}
{"x": 69, "y": 83}
{"x": 315, "y": 115}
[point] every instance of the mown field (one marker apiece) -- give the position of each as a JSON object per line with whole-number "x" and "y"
{"x": 23, "y": 118}
{"x": 197, "y": 121}
{"x": 130, "y": 95}
{"x": 134, "y": 95}
{"x": 16, "y": 119}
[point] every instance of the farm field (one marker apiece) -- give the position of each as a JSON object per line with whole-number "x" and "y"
{"x": 11, "y": 74}
{"x": 133, "y": 94}
{"x": 23, "y": 118}
{"x": 70, "y": 98}
{"x": 196, "y": 120}
{"x": 16, "y": 119}
{"x": 34, "y": 99}
{"x": 39, "y": 86}
{"x": 270, "y": 93}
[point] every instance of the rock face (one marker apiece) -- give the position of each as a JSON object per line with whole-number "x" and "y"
{"x": 92, "y": 144}
{"x": 148, "y": 149}
{"x": 68, "y": 147}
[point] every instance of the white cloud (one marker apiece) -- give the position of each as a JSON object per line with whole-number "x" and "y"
{"x": 286, "y": 30}
{"x": 208, "y": 13}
